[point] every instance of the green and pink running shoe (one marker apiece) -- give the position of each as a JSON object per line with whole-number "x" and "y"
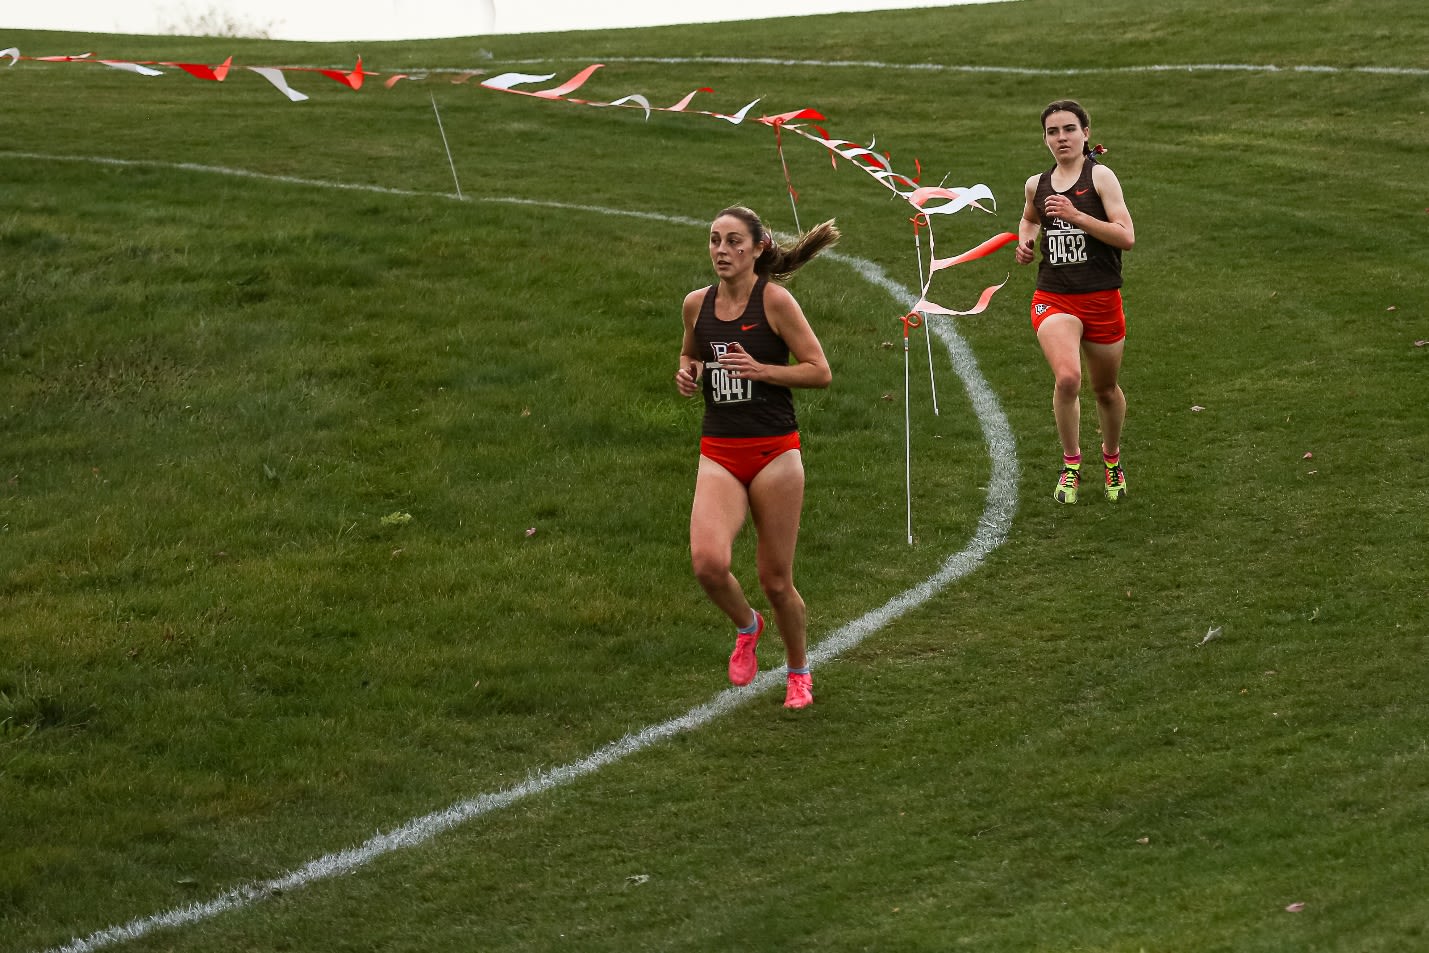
{"x": 1067, "y": 482}
{"x": 1115, "y": 482}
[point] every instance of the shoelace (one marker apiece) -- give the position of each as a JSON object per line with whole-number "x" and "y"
{"x": 1069, "y": 477}
{"x": 1113, "y": 475}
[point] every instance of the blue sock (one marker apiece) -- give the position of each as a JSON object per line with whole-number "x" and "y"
{"x": 753, "y": 625}
{"x": 799, "y": 671}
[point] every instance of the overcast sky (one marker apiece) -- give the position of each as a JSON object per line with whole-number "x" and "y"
{"x": 403, "y": 19}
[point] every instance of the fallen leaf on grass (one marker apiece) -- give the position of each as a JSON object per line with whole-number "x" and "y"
{"x": 1391, "y": 308}
{"x": 1308, "y": 456}
{"x": 1295, "y": 907}
{"x": 1196, "y": 408}
{"x": 1143, "y": 840}
{"x": 637, "y": 879}
{"x": 1420, "y": 343}
{"x": 1214, "y": 633}
{"x": 530, "y": 531}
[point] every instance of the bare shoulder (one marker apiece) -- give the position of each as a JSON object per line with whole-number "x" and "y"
{"x": 778, "y": 296}
{"x": 785, "y": 315}
{"x": 691, "y": 306}
{"x": 1108, "y": 186}
{"x": 780, "y": 306}
{"x": 1102, "y": 175}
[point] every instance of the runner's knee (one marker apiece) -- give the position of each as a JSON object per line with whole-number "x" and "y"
{"x": 777, "y": 586}
{"x": 711, "y": 564}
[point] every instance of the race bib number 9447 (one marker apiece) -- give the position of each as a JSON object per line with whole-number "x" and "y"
{"x": 724, "y": 387}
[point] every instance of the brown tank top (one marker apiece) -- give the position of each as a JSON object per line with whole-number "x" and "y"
{"x": 742, "y": 408}
{"x": 1074, "y": 262}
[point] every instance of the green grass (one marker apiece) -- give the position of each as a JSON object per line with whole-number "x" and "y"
{"x": 222, "y": 656}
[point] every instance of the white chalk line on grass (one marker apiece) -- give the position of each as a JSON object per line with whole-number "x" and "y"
{"x": 992, "y": 530}
{"x": 417, "y": 72}
{"x": 940, "y": 67}
{"x": 1016, "y": 70}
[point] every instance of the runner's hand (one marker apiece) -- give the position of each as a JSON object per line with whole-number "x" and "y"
{"x": 687, "y": 378}
{"x": 739, "y": 364}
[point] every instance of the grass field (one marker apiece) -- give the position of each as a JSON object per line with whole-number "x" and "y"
{"x": 281, "y": 412}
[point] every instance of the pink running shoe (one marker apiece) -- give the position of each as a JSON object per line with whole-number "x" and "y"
{"x": 800, "y": 693}
{"x": 743, "y": 664}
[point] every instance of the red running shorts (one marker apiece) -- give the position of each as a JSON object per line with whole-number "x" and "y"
{"x": 1101, "y": 314}
{"x": 745, "y": 457}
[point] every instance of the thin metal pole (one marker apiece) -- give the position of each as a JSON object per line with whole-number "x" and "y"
{"x": 446, "y": 146}
{"x": 918, "y": 243}
{"x": 927, "y": 336}
{"x": 788, "y": 182}
{"x": 908, "y": 321}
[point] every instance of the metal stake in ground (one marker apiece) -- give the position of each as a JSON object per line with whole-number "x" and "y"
{"x": 920, "y": 222}
{"x": 910, "y": 320}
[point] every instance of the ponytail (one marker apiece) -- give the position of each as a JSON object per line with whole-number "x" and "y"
{"x": 780, "y": 263}
{"x": 776, "y": 261}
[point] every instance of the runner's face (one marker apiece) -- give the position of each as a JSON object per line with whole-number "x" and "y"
{"x": 732, "y": 249}
{"x": 1064, "y": 134}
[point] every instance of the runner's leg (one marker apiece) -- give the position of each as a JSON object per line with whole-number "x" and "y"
{"x": 720, "y": 507}
{"x": 776, "y": 499}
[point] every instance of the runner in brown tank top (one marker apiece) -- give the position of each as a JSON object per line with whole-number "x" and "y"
{"x": 1079, "y": 211}
{"x": 739, "y": 337}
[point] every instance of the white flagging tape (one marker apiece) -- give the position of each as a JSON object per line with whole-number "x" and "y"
{"x": 992, "y": 530}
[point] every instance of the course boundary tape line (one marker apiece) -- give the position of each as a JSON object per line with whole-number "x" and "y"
{"x": 992, "y": 530}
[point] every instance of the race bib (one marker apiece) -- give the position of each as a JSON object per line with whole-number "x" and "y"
{"x": 724, "y": 387}
{"x": 1065, "y": 245}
